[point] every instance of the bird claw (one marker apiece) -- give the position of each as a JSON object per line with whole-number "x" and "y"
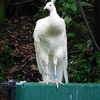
{"x": 47, "y": 81}
{"x": 56, "y": 81}
{"x": 50, "y": 81}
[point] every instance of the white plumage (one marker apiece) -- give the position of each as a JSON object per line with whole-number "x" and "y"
{"x": 51, "y": 46}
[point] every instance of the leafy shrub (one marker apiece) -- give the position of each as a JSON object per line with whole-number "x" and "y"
{"x": 85, "y": 67}
{"x": 84, "y": 61}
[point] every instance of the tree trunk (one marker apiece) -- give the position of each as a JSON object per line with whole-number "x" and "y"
{"x": 97, "y": 21}
{"x": 2, "y": 10}
{"x": 2, "y": 13}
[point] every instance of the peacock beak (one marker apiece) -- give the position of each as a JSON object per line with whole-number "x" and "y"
{"x": 45, "y": 8}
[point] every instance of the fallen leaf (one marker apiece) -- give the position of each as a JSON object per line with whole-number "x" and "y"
{"x": 34, "y": 67}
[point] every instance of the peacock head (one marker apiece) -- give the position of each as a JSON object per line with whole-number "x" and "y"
{"x": 50, "y": 6}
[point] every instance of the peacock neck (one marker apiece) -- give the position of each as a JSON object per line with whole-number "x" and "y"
{"x": 53, "y": 13}
{"x": 54, "y": 20}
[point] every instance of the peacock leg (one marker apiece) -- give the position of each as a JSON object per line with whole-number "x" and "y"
{"x": 56, "y": 78}
{"x": 46, "y": 73}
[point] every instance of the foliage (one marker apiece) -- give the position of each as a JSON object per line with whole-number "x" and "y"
{"x": 6, "y": 62}
{"x": 41, "y": 13}
{"x": 85, "y": 67}
{"x": 6, "y": 58}
{"x": 84, "y": 62}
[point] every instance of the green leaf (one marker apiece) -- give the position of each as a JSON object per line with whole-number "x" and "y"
{"x": 70, "y": 34}
{"x": 96, "y": 54}
{"x": 68, "y": 19}
{"x": 86, "y": 4}
{"x": 72, "y": 6}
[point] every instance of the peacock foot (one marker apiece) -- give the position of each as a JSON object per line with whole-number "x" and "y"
{"x": 57, "y": 82}
{"x": 47, "y": 81}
